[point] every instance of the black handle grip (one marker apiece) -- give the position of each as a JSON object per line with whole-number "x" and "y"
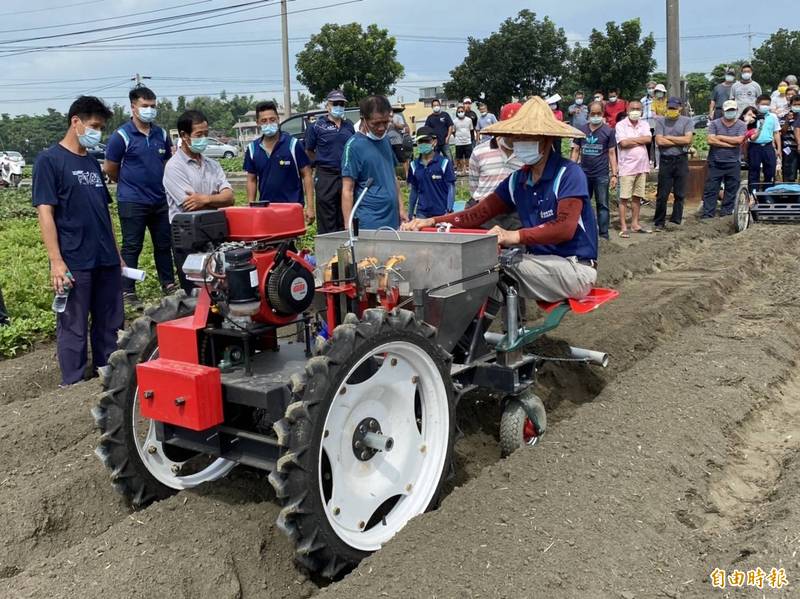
{"x": 355, "y": 226}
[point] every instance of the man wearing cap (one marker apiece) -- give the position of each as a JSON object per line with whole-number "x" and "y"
{"x": 721, "y": 94}
{"x": 431, "y": 179}
{"x": 551, "y": 197}
{"x": 325, "y": 141}
{"x": 440, "y": 122}
{"x": 471, "y": 114}
{"x": 725, "y": 138}
{"x": 674, "y": 133}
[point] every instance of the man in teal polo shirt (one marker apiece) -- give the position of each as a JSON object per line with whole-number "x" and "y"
{"x": 277, "y": 165}
{"x": 764, "y": 147}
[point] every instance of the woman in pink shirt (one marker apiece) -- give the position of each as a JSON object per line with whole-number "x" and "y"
{"x": 633, "y": 138}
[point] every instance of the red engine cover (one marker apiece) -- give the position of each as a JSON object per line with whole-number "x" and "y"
{"x": 265, "y": 261}
{"x": 273, "y": 222}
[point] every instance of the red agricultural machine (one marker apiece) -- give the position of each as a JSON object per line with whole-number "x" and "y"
{"x": 341, "y": 380}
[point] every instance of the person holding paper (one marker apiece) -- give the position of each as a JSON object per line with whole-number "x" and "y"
{"x": 192, "y": 181}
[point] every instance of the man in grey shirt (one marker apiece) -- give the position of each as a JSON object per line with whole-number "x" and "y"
{"x": 721, "y": 94}
{"x": 674, "y": 133}
{"x": 746, "y": 91}
{"x": 193, "y": 182}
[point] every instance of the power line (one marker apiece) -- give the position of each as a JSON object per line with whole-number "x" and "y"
{"x": 222, "y": 9}
{"x": 52, "y": 8}
{"x": 83, "y": 21}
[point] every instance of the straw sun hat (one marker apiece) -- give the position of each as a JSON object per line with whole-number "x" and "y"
{"x": 534, "y": 118}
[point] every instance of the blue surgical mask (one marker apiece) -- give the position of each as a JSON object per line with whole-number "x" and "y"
{"x": 730, "y": 114}
{"x": 527, "y": 152}
{"x": 199, "y": 144}
{"x": 596, "y": 120}
{"x": 90, "y": 137}
{"x": 270, "y": 130}
{"x": 147, "y": 114}
{"x": 729, "y": 78}
{"x": 796, "y": 109}
{"x": 763, "y": 108}
{"x": 337, "y": 111}
{"x": 578, "y": 101}
{"x": 425, "y": 148}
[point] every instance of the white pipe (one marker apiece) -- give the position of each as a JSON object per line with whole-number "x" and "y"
{"x": 591, "y": 356}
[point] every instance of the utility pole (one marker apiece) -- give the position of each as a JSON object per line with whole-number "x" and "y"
{"x": 137, "y": 80}
{"x": 287, "y": 91}
{"x": 673, "y": 49}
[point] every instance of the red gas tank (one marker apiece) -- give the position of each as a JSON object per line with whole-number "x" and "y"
{"x": 270, "y": 222}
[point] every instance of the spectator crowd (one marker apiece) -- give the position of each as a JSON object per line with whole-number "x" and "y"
{"x": 616, "y": 144}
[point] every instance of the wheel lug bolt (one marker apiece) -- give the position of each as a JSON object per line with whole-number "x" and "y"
{"x": 364, "y": 455}
{"x": 362, "y": 429}
{"x": 357, "y": 444}
{"x": 151, "y": 449}
{"x": 175, "y": 469}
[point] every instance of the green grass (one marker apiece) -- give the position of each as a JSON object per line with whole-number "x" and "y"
{"x": 232, "y": 165}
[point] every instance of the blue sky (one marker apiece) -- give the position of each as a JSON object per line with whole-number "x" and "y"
{"x": 198, "y": 64}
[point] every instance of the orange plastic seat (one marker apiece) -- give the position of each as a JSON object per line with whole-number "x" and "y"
{"x": 596, "y": 298}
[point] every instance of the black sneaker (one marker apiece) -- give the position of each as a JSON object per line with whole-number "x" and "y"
{"x": 132, "y": 301}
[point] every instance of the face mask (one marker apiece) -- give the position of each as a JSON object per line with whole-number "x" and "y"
{"x": 650, "y": 91}
{"x": 270, "y": 130}
{"x": 460, "y": 115}
{"x": 90, "y": 137}
{"x": 199, "y": 144}
{"x": 437, "y": 108}
{"x": 659, "y": 94}
{"x": 598, "y": 99}
{"x": 635, "y": 115}
{"x": 730, "y": 114}
{"x": 553, "y": 107}
{"x": 527, "y": 152}
{"x": 747, "y": 76}
{"x": 578, "y": 101}
{"x": 796, "y": 109}
{"x": 612, "y": 99}
{"x": 337, "y": 111}
{"x": 782, "y": 89}
{"x": 763, "y": 108}
{"x": 596, "y": 120}
{"x": 425, "y": 148}
{"x": 147, "y": 114}
{"x": 374, "y": 137}
{"x": 729, "y": 78}
{"x": 673, "y": 114}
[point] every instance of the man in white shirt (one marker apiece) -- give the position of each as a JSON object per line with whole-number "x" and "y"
{"x": 193, "y": 182}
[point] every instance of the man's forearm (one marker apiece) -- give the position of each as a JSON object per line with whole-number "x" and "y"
{"x": 223, "y": 198}
{"x": 47, "y": 225}
{"x": 347, "y": 199}
{"x": 308, "y": 187}
{"x": 251, "y": 190}
{"x": 489, "y": 207}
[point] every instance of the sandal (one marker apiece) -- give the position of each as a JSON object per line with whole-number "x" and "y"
{"x": 642, "y": 230}
{"x": 624, "y": 234}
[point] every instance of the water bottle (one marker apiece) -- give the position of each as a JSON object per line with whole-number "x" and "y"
{"x": 60, "y": 301}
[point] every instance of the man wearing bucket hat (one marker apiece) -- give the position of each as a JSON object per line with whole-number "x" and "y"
{"x": 550, "y": 194}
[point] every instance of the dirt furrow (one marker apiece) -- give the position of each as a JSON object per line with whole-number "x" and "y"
{"x": 28, "y": 376}
{"x": 613, "y": 502}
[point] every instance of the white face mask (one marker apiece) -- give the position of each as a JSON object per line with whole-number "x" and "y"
{"x": 729, "y": 78}
{"x": 437, "y": 108}
{"x": 747, "y": 76}
{"x": 527, "y": 152}
{"x": 635, "y": 115}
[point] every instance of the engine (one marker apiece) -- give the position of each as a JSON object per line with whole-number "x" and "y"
{"x": 245, "y": 258}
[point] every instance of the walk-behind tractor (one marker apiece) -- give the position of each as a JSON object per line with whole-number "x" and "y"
{"x": 767, "y": 203}
{"x": 340, "y": 380}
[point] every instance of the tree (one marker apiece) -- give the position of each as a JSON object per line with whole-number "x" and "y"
{"x": 718, "y": 72}
{"x": 658, "y": 77}
{"x": 698, "y": 91}
{"x": 346, "y": 57}
{"x": 525, "y": 56}
{"x": 621, "y": 58}
{"x": 304, "y": 103}
{"x": 777, "y": 57}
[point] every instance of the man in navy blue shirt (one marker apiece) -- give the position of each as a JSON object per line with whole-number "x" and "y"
{"x": 369, "y": 155}
{"x": 135, "y": 157}
{"x": 325, "y": 140}
{"x": 277, "y": 164}
{"x": 431, "y": 178}
{"x": 442, "y": 124}
{"x": 72, "y": 201}
{"x": 551, "y": 196}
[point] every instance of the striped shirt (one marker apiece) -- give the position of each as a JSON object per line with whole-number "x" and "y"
{"x": 488, "y": 167}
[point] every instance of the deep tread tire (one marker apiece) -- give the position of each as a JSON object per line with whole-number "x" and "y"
{"x": 303, "y": 518}
{"x": 512, "y": 426}
{"x": 113, "y": 415}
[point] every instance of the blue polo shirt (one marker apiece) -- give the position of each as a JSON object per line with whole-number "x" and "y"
{"x": 141, "y": 160}
{"x": 537, "y": 203}
{"x": 73, "y": 185}
{"x": 279, "y": 178}
{"x": 440, "y": 123}
{"x": 327, "y": 140}
{"x": 363, "y": 159}
{"x": 432, "y": 182}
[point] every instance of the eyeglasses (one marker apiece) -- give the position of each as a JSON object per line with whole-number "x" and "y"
{"x": 338, "y": 103}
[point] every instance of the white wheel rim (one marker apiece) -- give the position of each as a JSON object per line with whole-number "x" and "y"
{"x": 163, "y": 469}
{"x": 743, "y": 211}
{"x": 411, "y": 471}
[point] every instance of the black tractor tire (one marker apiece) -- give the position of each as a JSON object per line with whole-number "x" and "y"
{"x": 114, "y": 414}
{"x": 317, "y": 546}
{"x": 513, "y": 421}
{"x": 741, "y": 210}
